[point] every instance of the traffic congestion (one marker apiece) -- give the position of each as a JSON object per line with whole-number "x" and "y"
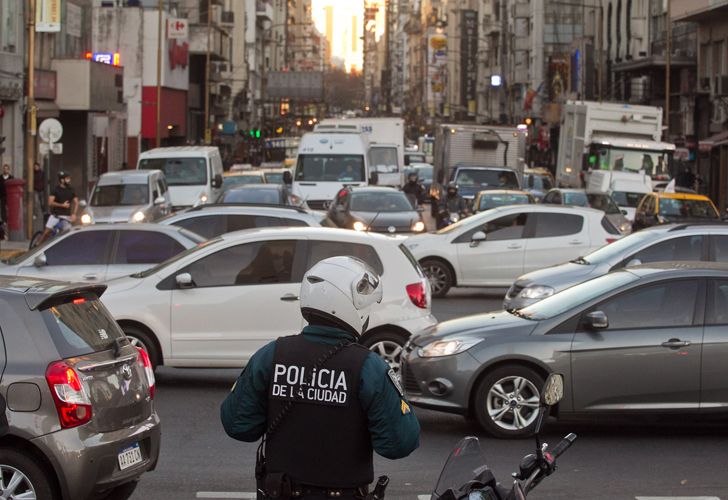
{"x": 317, "y": 250}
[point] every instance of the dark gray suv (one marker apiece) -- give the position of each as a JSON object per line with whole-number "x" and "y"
{"x": 79, "y": 396}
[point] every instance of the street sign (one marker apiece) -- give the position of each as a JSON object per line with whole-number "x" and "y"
{"x": 50, "y": 130}
{"x": 177, "y": 28}
{"x": 45, "y": 148}
{"x": 57, "y": 148}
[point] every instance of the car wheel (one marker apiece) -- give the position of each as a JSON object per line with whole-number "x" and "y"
{"x": 507, "y": 401}
{"x": 122, "y": 492}
{"x": 389, "y": 346}
{"x": 140, "y": 338}
{"x": 22, "y": 477}
{"x": 439, "y": 275}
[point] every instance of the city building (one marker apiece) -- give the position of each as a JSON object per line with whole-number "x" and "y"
{"x": 12, "y": 56}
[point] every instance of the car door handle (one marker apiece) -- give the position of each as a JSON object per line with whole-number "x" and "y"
{"x": 289, "y": 297}
{"x": 514, "y": 247}
{"x": 90, "y": 277}
{"x": 576, "y": 242}
{"x": 676, "y": 343}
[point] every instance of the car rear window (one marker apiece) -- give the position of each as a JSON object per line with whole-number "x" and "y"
{"x": 609, "y": 227}
{"x": 81, "y": 326}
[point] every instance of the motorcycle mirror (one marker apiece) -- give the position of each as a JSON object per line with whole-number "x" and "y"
{"x": 553, "y": 390}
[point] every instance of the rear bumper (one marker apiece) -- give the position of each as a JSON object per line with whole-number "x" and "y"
{"x": 87, "y": 463}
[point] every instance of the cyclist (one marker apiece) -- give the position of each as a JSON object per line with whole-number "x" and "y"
{"x": 63, "y": 204}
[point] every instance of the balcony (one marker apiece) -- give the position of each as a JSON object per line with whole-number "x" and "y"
{"x": 227, "y": 18}
{"x": 219, "y": 42}
{"x": 263, "y": 11}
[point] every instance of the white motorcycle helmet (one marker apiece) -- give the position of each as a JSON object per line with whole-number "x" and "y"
{"x": 341, "y": 291}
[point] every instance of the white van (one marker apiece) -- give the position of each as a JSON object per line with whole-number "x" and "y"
{"x": 627, "y": 188}
{"x": 194, "y": 173}
{"x": 327, "y": 162}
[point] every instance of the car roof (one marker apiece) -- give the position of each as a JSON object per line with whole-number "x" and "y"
{"x": 179, "y": 151}
{"x": 539, "y": 207}
{"x": 697, "y": 268}
{"x": 374, "y": 189}
{"x": 128, "y": 226}
{"x": 481, "y": 167}
{"x": 683, "y": 196}
{"x": 131, "y": 175}
{"x": 315, "y": 232}
{"x": 241, "y": 208}
{"x": 233, "y": 173}
{"x": 569, "y": 190}
{"x": 39, "y": 290}
{"x": 248, "y": 187}
{"x": 503, "y": 191}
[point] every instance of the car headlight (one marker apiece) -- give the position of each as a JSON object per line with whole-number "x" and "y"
{"x": 447, "y": 347}
{"x": 536, "y": 292}
{"x": 86, "y": 219}
{"x": 418, "y": 226}
{"x": 359, "y": 226}
{"x": 455, "y": 217}
{"x": 138, "y": 217}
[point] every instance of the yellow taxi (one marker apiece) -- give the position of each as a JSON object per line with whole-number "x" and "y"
{"x": 667, "y": 208}
{"x": 485, "y": 200}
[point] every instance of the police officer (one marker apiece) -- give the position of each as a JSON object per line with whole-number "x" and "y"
{"x": 322, "y": 402}
{"x": 413, "y": 189}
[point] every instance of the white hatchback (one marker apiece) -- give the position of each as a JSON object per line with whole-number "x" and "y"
{"x": 493, "y": 248}
{"x": 217, "y": 304}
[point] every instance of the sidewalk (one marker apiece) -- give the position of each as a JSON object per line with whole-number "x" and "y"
{"x": 10, "y": 249}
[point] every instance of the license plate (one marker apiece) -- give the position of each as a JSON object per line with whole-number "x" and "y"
{"x": 130, "y": 456}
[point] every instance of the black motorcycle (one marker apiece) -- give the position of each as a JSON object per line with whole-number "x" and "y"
{"x": 467, "y": 476}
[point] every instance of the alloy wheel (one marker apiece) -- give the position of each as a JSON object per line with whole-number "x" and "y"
{"x": 14, "y": 485}
{"x": 512, "y": 403}
{"x": 390, "y": 352}
{"x": 436, "y": 276}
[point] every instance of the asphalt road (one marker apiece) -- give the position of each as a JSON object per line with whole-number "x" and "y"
{"x": 627, "y": 459}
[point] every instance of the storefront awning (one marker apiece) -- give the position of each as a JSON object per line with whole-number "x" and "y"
{"x": 713, "y": 141}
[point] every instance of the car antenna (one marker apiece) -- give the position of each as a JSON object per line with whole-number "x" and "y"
{"x": 373, "y": 221}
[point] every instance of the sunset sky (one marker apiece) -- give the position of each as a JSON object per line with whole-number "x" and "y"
{"x": 344, "y": 11}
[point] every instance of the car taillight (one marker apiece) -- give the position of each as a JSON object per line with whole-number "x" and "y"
{"x": 72, "y": 403}
{"x": 148, "y": 370}
{"x": 418, "y": 294}
{"x": 611, "y": 240}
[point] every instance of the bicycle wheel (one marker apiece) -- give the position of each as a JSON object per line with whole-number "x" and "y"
{"x": 35, "y": 240}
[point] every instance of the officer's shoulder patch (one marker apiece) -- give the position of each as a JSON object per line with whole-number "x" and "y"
{"x": 405, "y": 407}
{"x": 395, "y": 381}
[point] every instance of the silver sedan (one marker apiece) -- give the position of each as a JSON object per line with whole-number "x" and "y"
{"x": 102, "y": 252}
{"x": 641, "y": 339}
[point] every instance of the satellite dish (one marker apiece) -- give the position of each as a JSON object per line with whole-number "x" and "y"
{"x": 50, "y": 130}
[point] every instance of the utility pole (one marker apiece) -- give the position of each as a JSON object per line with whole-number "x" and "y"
{"x": 31, "y": 120}
{"x": 600, "y": 30}
{"x": 668, "y": 57}
{"x": 208, "y": 132}
{"x": 159, "y": 72}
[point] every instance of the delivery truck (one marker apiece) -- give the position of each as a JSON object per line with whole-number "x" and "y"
{"x": 612, "y": 137}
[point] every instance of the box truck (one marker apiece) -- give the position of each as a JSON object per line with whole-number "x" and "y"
{"x": 612, "y": 137}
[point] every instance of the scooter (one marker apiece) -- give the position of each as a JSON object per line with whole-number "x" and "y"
{"x": 466, "y": 474}
{"x": 446, "y": 218}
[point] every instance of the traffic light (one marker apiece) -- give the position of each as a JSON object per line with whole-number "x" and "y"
{"x": 2, "y": 141}
{"x": 255, "y": 132}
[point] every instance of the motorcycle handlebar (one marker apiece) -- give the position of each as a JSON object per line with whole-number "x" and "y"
{"x": 564, "y": 445}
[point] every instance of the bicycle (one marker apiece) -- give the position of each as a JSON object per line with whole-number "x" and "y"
{"x": 62, "y": 226}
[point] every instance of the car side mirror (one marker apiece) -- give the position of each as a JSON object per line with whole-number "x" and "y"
{"x": 184, "y": 281}
{"x": 553, "y": 390}
{"x": 159, "y": 200}
{"x": 287, "y": 177}
{"x": 634, "y": 262}
{"x": 596, "y": 320}
{"x": 477, "y": 238}
{"x": 624, "y": 212}
{"x": 40, "y": 260}
{"x": 217, "y": 181}
{"x": 83, "y": 203}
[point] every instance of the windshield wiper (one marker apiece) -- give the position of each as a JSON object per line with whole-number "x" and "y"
{"x": 581, "y": 260}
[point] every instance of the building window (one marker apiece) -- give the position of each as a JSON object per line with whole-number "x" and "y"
{"x": 628, "y": 26}
{"x": 705, "y": 60}
{"x": 9, "y": 26}
{"x": 718, "y": 64}
{"x": 618, "y": 26}
{"x": 609, "y": 30}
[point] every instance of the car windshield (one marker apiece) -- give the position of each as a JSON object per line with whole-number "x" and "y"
{"x": 615, "y": 251}
{"x": 274, "y": 177}
{"x": 627, "y": 199}
{"x": 577, "y": 198}
{"x": 573, "y": 297}
{"x": 179, "y": 171}
{"x": 239, "y": 180}
{"x": 493, "y": 179}
{"x": 176, "y": 258}
{"x": 415, "y": 157}
{"x": 330, "y": 168}
{"x": 424, "y": 172}
{"x": 688, "y": 209}
{"x": 384, "y": 160}
{"x": 380, "y": 202}
{"x": 653, "y": 163}
{"x": 603, "y": 202}
{"x": 120, "y": 195}
{"x": 264, "y": 196}
{"x": 488, "y": 201}
{"x": 540, "y": 182}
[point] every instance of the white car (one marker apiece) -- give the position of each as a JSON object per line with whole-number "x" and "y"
{"x": 216, "y": 305}
{"x": 493, "y": 248}
{"x": 102, "y": 252}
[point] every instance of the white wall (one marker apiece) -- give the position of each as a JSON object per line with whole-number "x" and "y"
{"x": 177, "y": 78}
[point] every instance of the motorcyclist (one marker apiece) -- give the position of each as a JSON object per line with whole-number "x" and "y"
{"x": 413, "y": 189}
{"x": 451, "y": 203}
{"x": 321, "y": 401}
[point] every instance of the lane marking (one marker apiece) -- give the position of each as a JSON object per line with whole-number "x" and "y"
{"x": 226, "y": 494}
{"x": 677, "y": 498}
{"x": 424, "y": 497}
